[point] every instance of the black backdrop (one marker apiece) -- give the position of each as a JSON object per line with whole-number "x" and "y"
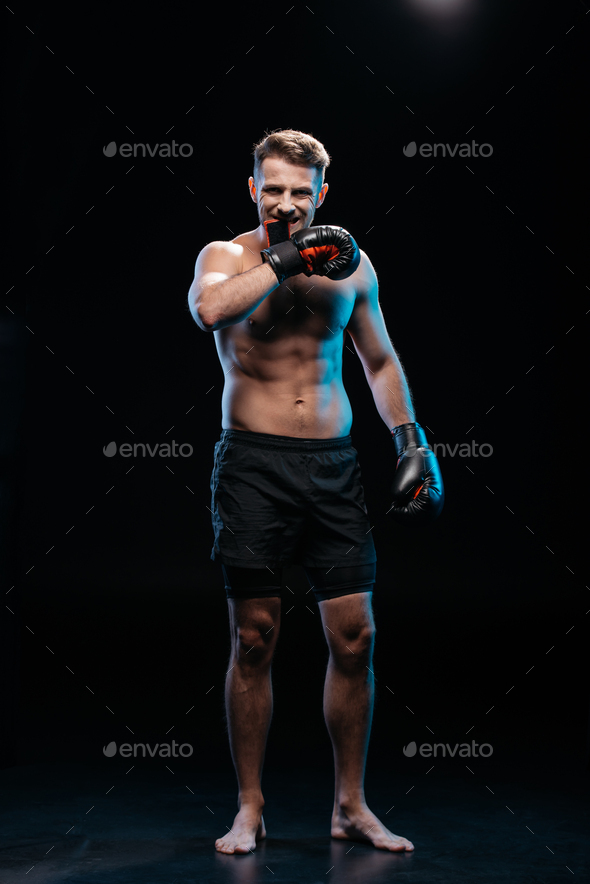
{"x": 115, "y": 618}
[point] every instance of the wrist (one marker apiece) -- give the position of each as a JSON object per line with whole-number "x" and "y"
{"x": 408, "y": 435}
{"x": 285, "y": 260}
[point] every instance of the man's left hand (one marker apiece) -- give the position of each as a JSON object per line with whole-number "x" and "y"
{"x": 417, "y": 489}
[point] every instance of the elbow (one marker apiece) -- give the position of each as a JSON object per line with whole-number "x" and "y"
{"x": 203, "y": 319}
{"x": 205, "y": 322}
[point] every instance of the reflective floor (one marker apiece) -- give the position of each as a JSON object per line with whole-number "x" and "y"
{"x": 133, "y": 823}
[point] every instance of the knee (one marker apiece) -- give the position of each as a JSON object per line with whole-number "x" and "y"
{"x": 254, "y": 643}
{"x": 354, "y": 647}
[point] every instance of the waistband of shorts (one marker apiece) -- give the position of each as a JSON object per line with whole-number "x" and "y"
{"x": 284, "y": 443}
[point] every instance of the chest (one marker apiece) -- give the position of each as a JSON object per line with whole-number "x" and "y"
{"x": 311, "y": 305}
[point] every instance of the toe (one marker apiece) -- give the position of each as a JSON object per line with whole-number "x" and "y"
{"x": 400, "y": 842}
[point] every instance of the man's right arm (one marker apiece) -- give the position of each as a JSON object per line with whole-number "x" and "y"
{"x": 220, "y": 295}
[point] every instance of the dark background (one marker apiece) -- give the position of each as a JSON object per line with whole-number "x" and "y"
{"x": 115, "y": 622}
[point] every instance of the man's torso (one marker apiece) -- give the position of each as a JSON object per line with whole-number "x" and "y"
{"x": 283, "y": 364}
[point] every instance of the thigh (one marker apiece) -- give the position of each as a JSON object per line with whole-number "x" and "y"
{"x": 258, "y": 512}
{"x": 333, "y": 582}
{"x": 338, "y": 530}
{"x": 241, "y": 583}
{"x": 254, "y": 602}
{"x": 345, "y": 600}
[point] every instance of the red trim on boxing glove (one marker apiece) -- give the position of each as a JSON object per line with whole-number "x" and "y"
{"x": 321, "y": 253}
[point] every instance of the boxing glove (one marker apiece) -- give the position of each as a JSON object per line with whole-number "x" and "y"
{"x": 417, "y": 489}
{"x": 326, "y": 251}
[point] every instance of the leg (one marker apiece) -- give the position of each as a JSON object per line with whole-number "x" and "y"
{"x": 348, "y": 709}
{"x": 348, "y": 692}
{"x": 254, "y": 627}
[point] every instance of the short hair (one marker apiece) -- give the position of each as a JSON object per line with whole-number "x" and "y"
{"x": 293, "y": 146}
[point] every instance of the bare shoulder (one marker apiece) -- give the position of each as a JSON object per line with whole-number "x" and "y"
{"x": 222, "y": 247}
{"x": 222, "y": 255}
{"x": 365, "y": 277}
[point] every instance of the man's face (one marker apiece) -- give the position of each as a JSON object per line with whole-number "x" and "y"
{"x": 287, "y": 192}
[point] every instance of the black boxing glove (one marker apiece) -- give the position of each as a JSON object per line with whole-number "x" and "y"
{"x": 326, "y": 251}
{"x": 417, "y": 489}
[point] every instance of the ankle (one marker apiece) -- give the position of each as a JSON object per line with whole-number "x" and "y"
{"x": 350, "y": 802}
{"x": 251, "y": 798}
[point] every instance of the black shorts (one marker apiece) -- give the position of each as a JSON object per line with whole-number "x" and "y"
{"x": 281, "y": 500}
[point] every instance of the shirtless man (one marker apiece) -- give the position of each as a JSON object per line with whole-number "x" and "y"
{"x": 286, "y": 482}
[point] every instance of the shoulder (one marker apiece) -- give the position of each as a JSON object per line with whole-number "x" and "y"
{"x": 227, "y": 253}
{"x": 235, "y": 246}
{"x": 228, "y": 247}
{"x": 365, "y": 278}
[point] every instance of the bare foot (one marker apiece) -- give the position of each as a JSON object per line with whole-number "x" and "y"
{"x": 359, "y": 824}
{"x": 248, "y": 828}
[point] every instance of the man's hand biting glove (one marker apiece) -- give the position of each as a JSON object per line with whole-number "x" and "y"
{"x": 326, "y": 251}
{"x": 417, "y": 489}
